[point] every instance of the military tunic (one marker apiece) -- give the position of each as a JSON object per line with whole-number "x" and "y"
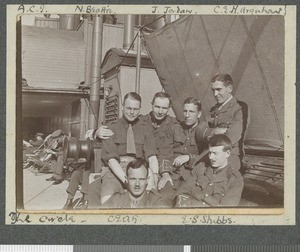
{"x": 150, "y": 199}
{"x": 229, "y": 116}
{"x": 184, "y": 143}
{"x": 211, "y": 187}
{"x": 163, "y": 136}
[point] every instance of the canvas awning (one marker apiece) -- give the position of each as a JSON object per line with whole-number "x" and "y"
{"x": 190, "y": 51}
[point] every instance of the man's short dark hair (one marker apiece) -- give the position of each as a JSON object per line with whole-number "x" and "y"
{"x": 132, "y": 95}
{"x": 162, "y": 95}
{"x": 220, "y": 140}
{"x": 225, "y": 78}
{"x": 136, "y": 164}
{"x": 192, "y": 100}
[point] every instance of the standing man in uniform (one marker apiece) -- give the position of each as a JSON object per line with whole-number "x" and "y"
{"x": 136, "y": 195}
{"x": 215, "y": 183}
{"x": 226, "y": 117}
{"x": 131, "y": 140}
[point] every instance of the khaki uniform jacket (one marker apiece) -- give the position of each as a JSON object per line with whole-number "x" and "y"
{"x": 209, "y": 187}
{"x": 230, "y": 116}
{"x": 184, "y": 143}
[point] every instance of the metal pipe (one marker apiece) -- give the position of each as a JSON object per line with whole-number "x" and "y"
{"x": 138, "y": 59}
{"x": 88, "y": 36}
{"x": 66, "y": 22}
{"x": 128, "y": 31}
{"x": 96, "y": 72}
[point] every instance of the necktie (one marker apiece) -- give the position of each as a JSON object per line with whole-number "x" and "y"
{"x": 130, "y": 141}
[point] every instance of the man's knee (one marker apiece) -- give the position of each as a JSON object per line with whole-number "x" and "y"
{"x": 105, "y": 198}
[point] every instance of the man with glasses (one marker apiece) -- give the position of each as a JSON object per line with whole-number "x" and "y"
{"x": 131, "y": 140}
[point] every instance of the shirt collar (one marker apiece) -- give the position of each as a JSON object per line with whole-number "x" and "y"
{"x": 125, "y": 122}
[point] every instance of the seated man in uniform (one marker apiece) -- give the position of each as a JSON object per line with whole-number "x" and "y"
{"x": 185, "y": 149}
{"x": 215, "y": 183}
{"x": 132, "y": 139}
{"x": 136, "y": 196}
{"x": 226, "y": 117}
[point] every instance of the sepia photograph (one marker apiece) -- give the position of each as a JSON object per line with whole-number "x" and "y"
{"x": 171, "y": 111}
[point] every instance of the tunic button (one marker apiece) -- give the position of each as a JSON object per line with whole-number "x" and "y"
{"x": 206, "y": 195}
{"x": 211, "y": 184}
{"x": 185, "y": 148}
{"x": 188, "y": 138}
{"x": 203, "y": 203}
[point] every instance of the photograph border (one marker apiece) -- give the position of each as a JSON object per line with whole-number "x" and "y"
{"x": 148, "y": 216}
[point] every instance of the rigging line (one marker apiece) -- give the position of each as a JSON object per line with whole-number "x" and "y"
{"x": 153, "y": 21}
{"x": 135, "y": 37}
{"x": 34, "y": 197}
{"x": 220, "y": 53}
{"x": 118, "y": 66}
{"x": 265, "y": 82}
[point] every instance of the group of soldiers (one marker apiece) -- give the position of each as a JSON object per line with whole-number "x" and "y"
{"x": 156, "y": 161}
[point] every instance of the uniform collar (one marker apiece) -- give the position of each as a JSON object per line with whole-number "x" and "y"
{"x": 218, "y": 175}
{"x": 225, "y": 102}
{"x": 188, "y": 128}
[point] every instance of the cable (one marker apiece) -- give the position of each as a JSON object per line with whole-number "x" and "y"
{"x": 141, "y": 28}
{"x": 89, "y": 105}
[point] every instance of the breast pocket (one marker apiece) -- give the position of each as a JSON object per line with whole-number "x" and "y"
{"x": 121, "y": 145}
{"x": 219, "y": 189}
{"x": 164, "y": 138}
{"x": 225, "y": 119}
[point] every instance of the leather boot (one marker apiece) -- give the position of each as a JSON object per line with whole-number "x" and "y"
{"x": 68, "y": 205}
{"x": 85, "y": 204}
{"x": 82, "y": 205}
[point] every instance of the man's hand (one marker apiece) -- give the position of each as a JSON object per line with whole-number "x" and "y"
{"x": 220, "y": 130}
{"x": 164, "y": 180}
{"x": 104, "y": 132}
{"x": 181, "y": 160}
{"x": 155, "y": 178}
